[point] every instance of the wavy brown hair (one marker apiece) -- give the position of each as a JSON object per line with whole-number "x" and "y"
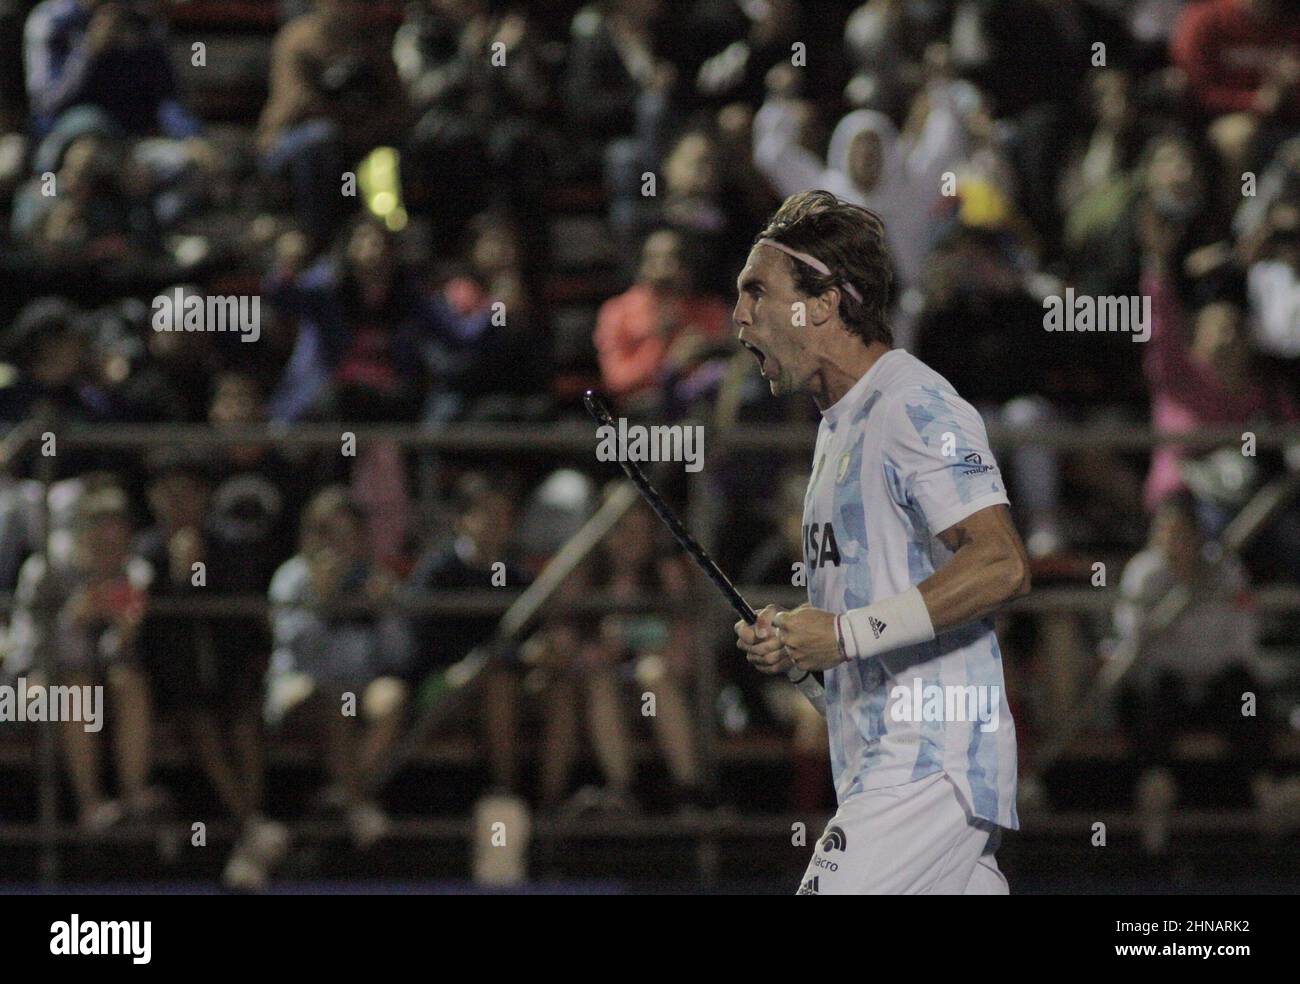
{"x": 850, "y": 240}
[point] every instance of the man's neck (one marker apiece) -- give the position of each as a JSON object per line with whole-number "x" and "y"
{"x": 841, "y": 370}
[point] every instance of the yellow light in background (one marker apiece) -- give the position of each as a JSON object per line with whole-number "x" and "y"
{"x": 381, "y": 187}
{"x": 982, "y": 205}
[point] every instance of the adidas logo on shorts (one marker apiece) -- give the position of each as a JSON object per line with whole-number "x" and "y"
{"x": 809, "y": 887}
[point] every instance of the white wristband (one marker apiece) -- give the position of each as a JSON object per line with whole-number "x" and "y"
{"x": 892, "y": 623}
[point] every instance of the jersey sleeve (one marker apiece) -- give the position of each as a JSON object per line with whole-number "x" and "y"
{"x": 937, "y": 445}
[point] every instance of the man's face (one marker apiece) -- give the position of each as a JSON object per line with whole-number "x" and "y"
{"x": 765, "y": 315}
{"x": 1171, "y": 175}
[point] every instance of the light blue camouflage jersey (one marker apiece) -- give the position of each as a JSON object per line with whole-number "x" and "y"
{"x": 900, "y": 458}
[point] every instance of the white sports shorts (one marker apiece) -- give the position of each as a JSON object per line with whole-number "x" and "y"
{"x": 913, "y": 839}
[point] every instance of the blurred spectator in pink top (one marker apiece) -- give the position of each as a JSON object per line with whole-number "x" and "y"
{"x": 659, "y": 327}
{"x": 1199, "y": 379}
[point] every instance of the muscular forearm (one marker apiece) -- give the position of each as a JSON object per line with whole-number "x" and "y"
{"x": 976, "y": 582}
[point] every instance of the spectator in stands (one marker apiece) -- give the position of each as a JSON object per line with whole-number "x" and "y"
{"x": 1241, "y": 56}
{"x": 868, "y": 163}
{"x": 441, "y": 57}
{"x": 334, "y": 96}
{"x": 48, "y": 349}
{"x": 1193, "y": 672}
{"x": 1279, "y": 182}
{"x": 1273, "y": 280}
{"x": 659, "y": 326}
{"x": 361, "y": 316}
{"x": 479, "y": 82}
{"x": 101, "y": 66}
{"x": 171, "y": 378}
{"x": 482, "y": 350}
{"x": 1205, "y": 379}
{"x": 753, "y": 196}
{"x": 21, "y": 524}
{"x": 619, "y": 92}
{"x": 885, "y": 40}
{"x": 1102, "y": 247}
{"x": 709, "y": 207}
{"x": 207, "y": 672}
{"x": 1103, "y": 158}
{"x": 976, "y": 306}
{"x": 95, "y": 217}
{"x": 344, "y": 668}
{"x": 653, "y": 652}
{"x": 478, "y": 557}
{"x": 258, "y": 491}
{"x": 84, "y": 618}
{"x": 738, "y": 70}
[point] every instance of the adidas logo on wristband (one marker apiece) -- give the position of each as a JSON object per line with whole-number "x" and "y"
{"x": 877, "y": 626}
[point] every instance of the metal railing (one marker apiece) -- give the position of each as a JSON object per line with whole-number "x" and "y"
{"x": 556, "y": 440}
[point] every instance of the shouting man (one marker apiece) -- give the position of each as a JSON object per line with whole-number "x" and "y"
{"x": 909, "y": 548}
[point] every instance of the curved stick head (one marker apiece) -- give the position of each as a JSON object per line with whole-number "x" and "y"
{"x": 597, "y": 408}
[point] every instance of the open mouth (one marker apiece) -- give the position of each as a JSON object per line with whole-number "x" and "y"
{"x": 758, "y": 354}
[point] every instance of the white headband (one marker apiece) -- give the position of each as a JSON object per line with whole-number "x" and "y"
{"x": 813, "y": 262}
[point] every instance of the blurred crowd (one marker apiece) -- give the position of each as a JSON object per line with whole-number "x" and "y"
{"x": 1016, "y": 149}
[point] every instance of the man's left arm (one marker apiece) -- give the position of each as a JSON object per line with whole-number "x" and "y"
{"x": 989, "y": 567}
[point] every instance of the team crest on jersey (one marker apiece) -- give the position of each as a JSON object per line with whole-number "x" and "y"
{"x": 843, "y": 470}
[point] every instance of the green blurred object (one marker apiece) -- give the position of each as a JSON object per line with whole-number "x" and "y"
{"x": 379, "y": 176}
